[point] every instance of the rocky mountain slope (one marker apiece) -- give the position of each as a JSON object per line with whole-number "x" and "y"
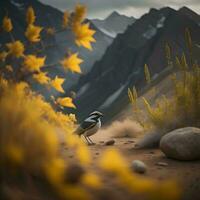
{"x": 114, "y": 24}
{"x": 122, "y": 66}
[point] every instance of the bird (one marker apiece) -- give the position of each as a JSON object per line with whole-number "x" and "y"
{"x": 90, "y": 126}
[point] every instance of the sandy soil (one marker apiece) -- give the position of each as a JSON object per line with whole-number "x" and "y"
{"x": 187, "y": 174}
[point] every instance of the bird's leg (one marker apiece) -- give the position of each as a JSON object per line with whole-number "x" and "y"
{"x": 91, "y": 140}
{"x": 88, "y": 142}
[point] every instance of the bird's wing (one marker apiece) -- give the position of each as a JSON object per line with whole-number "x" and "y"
{"x": 86, "y": 125}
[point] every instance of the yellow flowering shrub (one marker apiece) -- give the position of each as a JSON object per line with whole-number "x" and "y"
{"x": 7, "y": 24}
{"x": 30, "y": 15}
{"x": 33, "y": 33}
{"x": 72, "y": 63}
{"x": 33, "y": 63}
{"x": 84, "y": 35}
{"x": 16, "y": 49}
{"x": 65, "y": 21}
{"x": 57, "y": 84}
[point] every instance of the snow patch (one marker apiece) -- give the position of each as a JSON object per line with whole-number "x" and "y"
{"x": 150, "y": 32}
{"x": 160, "y": 23}
{"x": 20, "y": 6}
{"x": 82, "y": 90}
{"x": 109, "y": 33}
{"x": 112, "y": 97}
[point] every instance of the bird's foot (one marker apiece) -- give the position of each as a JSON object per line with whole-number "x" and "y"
{"x": 91, "y": 144}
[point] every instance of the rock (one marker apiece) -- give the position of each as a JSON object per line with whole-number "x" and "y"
{"x": 163, "y": 164}
{"x": 182, "y": 144}
{"x": 110, "y": 142}
{"x": 150, "y": 140}
{"x": 138, "y": 166}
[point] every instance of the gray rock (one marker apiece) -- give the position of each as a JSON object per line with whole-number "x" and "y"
{"x": 182, "y": 144}
{"x": 138, "y": 166}
{"x": 110, "y": 142}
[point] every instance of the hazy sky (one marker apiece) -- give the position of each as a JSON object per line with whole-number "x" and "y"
{"x": 136, "y": 8}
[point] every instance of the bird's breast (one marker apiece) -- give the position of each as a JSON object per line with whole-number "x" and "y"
{"x": 93, "y": 130}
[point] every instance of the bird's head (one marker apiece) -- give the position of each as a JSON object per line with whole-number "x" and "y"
{"x": 96, "y": 114}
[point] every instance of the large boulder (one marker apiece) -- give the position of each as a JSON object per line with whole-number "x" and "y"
{"x": 182, "y": 144}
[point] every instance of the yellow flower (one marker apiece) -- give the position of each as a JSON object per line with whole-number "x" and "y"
{"x": 33, "y": 63}
{"x": 79, "y": 14}
{"x": 3, "y": 55}
{"x": 65, "y": 19}
{"x": 84, "y": 35}
{"x": 7, "y": 24}
{"x": 30, "y": 15}
{"x": 41, "y": 77}
{"x": 16, "y": 48}
{"x": 57, "y": 84}
{"x": 72, "y": 63}
{"x": 66, "y": 102}
{"x": 33, "y": 33}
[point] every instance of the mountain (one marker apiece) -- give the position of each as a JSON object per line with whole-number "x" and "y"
{"x": 190, "y": 13}
{"x": 47, "y": 16}
{"x": 105, "y": 87}
{"x": 114, "y": 24}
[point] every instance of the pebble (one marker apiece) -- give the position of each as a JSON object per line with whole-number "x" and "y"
{"x": 74, "y": 173}
{"x": 163, "y": 164}
{"x": 131, "y": 141}
{"x": 110, "y": 142}
{"x": 138, "y": 166}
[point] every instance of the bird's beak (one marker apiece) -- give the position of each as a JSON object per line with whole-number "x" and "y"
{"x": 102, "y": 114}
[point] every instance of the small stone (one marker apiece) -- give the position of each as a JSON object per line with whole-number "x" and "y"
{"x": 97, "y": 153}
{"x": 163, "y": 164}
{"x": 74, "y": 173}
{"x": 152, "y": 152}
{"x": 138, "y": 166}
{"x": 131, "y": 141}
{"x": 101, "y": 142}
{"x": 110, "y": 142}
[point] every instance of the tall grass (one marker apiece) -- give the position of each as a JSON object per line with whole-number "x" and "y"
{"x": 182, "y": 108}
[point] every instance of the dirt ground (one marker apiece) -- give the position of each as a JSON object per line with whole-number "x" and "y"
{"x": 187, "y": 174}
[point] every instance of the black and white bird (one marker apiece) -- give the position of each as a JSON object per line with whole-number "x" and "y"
{"x": 90, "y": 126}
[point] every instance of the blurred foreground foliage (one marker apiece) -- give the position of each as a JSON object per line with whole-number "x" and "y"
{"x": 32, "y": 164}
